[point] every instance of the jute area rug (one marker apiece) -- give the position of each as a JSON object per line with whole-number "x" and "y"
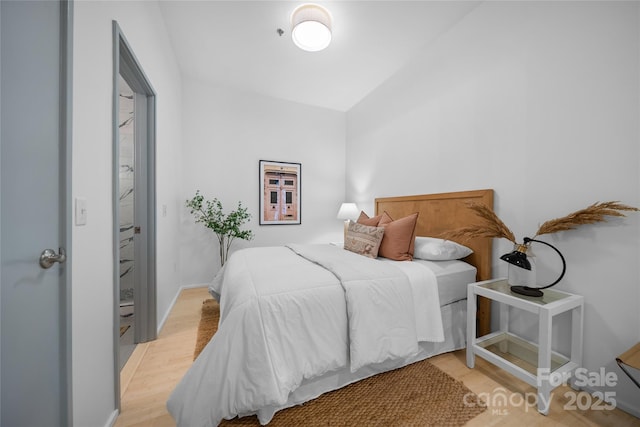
{"x": 417, "y": 395}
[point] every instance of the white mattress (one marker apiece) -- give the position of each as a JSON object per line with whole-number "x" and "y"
{"x": 453, "y": 278}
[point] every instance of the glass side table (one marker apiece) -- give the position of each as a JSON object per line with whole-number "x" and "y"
{"x": 532, "y": 363}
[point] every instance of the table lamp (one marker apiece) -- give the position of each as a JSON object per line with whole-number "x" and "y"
{"x": 347, "y": 212}
{"x": 518, "y": 258}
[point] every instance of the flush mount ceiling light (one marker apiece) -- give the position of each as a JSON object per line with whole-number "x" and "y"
{"x": 311, "y": 27}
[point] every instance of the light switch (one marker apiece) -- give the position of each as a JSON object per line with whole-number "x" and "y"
{"x": 81, "y": 211}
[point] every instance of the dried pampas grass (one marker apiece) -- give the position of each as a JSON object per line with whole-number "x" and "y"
{"x": 492, "y": 226}
{"x": 589, "y": 215}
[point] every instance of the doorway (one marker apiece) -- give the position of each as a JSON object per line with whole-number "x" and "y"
{"x": 134, "y": 226}
{"x": 126, "y": 201}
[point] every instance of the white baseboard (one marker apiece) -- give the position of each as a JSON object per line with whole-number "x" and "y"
{"x": 624, "y": 406}
{"x": 112, "y": 419}
{"x": 619, "y": 404}
{"x": 175, "y": 298}
{"x": 195, "y": 285}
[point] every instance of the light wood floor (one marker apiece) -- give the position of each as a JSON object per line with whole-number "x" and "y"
{"x": 155, "y": 368}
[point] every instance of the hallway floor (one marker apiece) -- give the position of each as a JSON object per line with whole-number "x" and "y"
{"x": 127, "y": 318}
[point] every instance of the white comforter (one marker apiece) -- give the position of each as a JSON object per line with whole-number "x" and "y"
{"x": 294, "y": 313}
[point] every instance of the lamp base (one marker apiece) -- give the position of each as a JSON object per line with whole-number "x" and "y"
{"x": 525, "y": 290}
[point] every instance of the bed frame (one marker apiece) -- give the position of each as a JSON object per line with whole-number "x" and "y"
{"x": 443, "y": 212}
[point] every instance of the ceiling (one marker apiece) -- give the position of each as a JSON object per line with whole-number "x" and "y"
{"x": 236, "y": 44}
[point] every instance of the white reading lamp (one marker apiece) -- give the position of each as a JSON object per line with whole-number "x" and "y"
{"x": 348, "y": 211}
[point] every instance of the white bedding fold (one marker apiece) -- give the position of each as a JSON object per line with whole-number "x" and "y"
{"x": 425, "y": 299}
{"x": 380, "y": 310}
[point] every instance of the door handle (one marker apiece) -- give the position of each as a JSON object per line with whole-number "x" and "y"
{"x": 50, "y": 257}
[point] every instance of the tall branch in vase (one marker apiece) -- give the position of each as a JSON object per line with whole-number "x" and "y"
{"x": 226, "y": 227}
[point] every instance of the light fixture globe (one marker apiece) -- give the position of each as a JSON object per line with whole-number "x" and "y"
{"x": 311, "y": 27}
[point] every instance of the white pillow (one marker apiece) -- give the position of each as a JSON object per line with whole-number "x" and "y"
{"x": 433, "y": 249}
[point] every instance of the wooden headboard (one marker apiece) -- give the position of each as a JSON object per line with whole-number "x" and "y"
{"x": 444, "y": 212}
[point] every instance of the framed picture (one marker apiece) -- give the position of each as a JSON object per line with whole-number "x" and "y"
{"x": 279, "y": 193}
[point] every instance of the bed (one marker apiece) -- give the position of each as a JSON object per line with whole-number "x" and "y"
{"x": 301, "y": 320}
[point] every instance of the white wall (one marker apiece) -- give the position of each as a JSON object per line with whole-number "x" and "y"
{"x": 92, "y": 264}
{"x": 538, "y": 101}
{"x": 226, "y": 133}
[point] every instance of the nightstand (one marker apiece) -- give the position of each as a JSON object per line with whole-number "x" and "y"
{"x": 536, "y": 364}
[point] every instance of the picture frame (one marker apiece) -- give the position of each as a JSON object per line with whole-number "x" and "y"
{"x": 280, "y": 192}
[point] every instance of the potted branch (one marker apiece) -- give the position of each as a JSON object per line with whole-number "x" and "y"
{"x": 226, "y": 227}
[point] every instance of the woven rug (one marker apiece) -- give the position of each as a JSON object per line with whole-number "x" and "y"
{"x": 417, "y": 395}
{"x": 209, "y": 318}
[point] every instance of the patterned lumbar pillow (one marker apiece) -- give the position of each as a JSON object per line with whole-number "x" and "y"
{"x": 363, "y": 239}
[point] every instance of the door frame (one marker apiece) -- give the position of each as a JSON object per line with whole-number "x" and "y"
{"x": 145, "y": 329}
{"x": 66, "y": 156}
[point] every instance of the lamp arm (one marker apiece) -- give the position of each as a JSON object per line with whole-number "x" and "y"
{"x": 564, "y": 264}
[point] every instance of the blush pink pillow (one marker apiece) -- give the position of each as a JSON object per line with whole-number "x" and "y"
{"x": 365, "y": 220}
{"x": 399, "y": 237}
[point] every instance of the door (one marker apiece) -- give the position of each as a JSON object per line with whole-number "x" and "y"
{"x": 140, "y": 184}
{"x": 35, "y": 369}
{"x": 127, "y": 222}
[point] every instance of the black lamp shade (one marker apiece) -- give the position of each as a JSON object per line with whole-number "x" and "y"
{"x": 517, "y": 258}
